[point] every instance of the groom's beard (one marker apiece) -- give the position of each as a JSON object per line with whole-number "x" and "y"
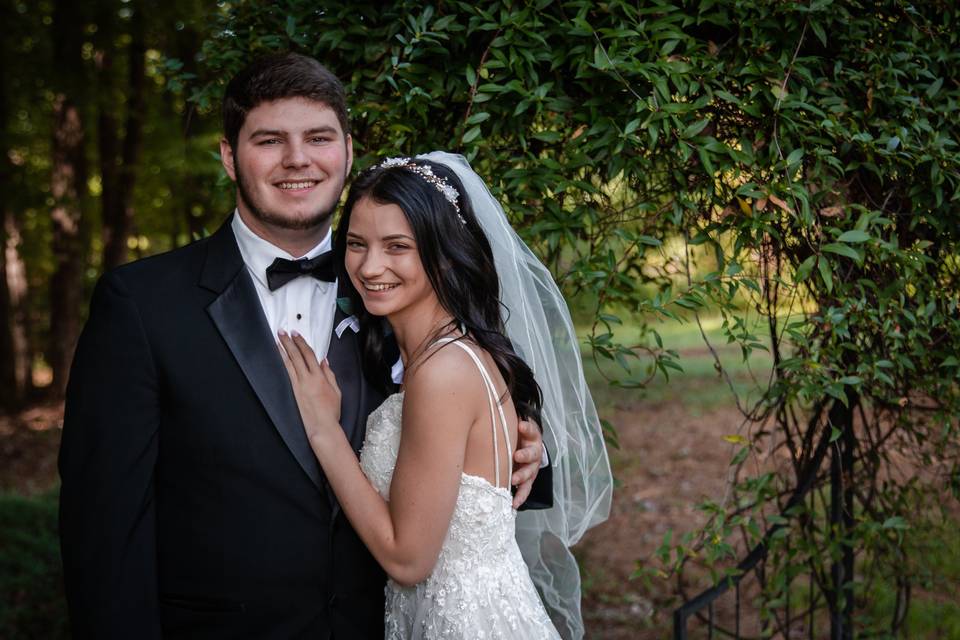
{"x": 320, "y": 216}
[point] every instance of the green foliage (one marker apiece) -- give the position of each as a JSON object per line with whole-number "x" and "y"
{"x": 783, "y": 163}
{"x": 795, "y": 163}
{"x": 31, "y": 582}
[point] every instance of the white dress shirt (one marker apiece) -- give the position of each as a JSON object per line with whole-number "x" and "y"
{"x": 305, "y": 305}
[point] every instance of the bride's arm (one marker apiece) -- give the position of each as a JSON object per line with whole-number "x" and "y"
{"x": 404, "y": 535}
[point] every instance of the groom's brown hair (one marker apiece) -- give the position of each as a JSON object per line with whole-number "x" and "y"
{"x": 275, "y": 77}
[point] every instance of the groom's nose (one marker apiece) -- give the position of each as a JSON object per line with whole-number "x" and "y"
{"x": 294, "y": 155}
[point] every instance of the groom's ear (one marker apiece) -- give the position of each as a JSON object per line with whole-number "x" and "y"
{"x": 227, "y": 159}
{"x": 349, "y": 142}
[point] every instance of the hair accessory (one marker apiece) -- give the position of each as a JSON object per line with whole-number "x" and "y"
{"x": 425, "y": 172}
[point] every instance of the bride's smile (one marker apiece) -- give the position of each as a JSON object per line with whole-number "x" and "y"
{"x": 384, "y": 264}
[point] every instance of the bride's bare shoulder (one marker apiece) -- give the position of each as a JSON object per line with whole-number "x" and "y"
{"x": 447, "y": 373}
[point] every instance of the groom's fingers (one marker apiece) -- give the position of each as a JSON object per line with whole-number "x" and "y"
{"x": 524, "y": 473}
{"x": 529, "y": 434}
{"x": 526, "y": 460}
{"x": 522, "y": 479}
{"x": 530, "y": 443}
{"x": 522, "y": 493}
{"x": 527, "y": 454}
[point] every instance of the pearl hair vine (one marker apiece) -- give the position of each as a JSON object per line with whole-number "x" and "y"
{"x": 424, "y": 171}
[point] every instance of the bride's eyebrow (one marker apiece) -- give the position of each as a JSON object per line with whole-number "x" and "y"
{"x": 393, "y": 236}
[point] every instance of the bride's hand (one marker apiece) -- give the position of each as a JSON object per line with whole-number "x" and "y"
{"x": 314, "y": 386}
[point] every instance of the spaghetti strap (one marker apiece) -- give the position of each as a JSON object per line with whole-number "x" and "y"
{"x": 492, "y": 399}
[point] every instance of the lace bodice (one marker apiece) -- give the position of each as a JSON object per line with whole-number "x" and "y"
{"x": 480, "y": 586}
{"x": 483, "y": 517}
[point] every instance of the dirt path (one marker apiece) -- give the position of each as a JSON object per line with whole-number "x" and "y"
{"x": 28, "y": 450}
{"x": 669, "y": 461}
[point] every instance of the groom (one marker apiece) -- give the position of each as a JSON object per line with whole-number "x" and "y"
{"x": 191, "y": 504}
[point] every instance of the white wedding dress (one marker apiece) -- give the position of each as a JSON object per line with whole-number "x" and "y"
{"x": 480, "y": 587}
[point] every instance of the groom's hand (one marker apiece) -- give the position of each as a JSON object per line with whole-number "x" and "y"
{"x": 526, "y": 460}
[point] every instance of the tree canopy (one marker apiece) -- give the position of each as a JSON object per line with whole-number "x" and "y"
{"x": 792, "y": 164}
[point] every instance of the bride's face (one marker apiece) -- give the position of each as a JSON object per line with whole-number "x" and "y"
{"x": 383, "y": 262}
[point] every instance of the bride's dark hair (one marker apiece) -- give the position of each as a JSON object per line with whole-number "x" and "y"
{"x": 458, "y": 261}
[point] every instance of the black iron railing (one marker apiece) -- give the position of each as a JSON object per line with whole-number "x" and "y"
{"x": 834, "y": 593}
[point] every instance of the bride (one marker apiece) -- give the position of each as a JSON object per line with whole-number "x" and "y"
{"x": 430, "y": 496}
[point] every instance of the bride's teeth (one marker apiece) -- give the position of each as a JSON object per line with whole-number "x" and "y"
{"x": 380, "y": 287}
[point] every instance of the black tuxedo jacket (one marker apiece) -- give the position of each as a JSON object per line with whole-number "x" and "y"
{"x": 191, "y": 503}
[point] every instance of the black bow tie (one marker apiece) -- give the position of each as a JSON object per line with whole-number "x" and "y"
{"x": 283, "y": 271}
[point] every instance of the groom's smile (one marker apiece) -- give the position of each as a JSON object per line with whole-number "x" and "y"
{"x": 298, "y": 186}
{"x": 290, "y": 164}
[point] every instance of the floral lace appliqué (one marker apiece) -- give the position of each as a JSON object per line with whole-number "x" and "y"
{"x": 480, "y": 587}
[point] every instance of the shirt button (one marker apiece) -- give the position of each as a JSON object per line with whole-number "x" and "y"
{"x": 299, "y": 316}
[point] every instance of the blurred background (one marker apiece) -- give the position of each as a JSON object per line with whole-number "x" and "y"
{"x": 753, "y": 208}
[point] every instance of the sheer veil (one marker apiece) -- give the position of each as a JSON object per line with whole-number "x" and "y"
{"x": 539, "y": 326}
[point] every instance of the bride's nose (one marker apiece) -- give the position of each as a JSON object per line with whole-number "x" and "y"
{"x": 372, "y": 264}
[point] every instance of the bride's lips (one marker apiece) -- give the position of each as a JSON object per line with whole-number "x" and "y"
{"x": 379, "y": 288}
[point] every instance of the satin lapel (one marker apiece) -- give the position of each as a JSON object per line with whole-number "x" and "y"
{"x": 239, "y": 317}
{"x": 344, "y": 358}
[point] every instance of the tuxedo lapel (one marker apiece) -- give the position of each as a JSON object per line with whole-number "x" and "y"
{"x": 238, "y": 316}
{"x": 344, "y": 358}
{"x": 357, "y": 397}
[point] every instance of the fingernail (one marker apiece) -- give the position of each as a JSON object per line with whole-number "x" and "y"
{"x": 295, "y": 333}
{"x": 282, "y": 333}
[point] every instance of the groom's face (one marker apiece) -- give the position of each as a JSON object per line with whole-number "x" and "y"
{"x": 290, "y": 163}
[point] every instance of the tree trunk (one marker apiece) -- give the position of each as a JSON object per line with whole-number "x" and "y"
{"x": 136, "y": 107}
{"x": 188, "y": 42}
{"x": 9, "y": 396}
{"x": 108, "y": 143}
{"x": 14, "y": 352}
{"x": 16, "y": 358}
{"x": 118, "y": 211}
{"x": 68, "y": 182}
{"x": 8, "y": 386}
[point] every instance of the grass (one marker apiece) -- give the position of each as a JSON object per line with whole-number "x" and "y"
{"x": 935, "y": 603}
{"x": 934, "y": 606}
{"x": 31, "y": 583}
{"x": 700, "y": 386}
